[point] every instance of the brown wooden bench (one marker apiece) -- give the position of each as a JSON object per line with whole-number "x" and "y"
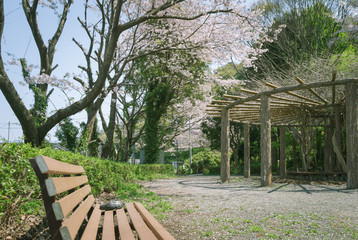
{"x": 72, "y": 213}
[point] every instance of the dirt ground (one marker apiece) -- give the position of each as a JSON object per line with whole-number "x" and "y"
{"x": 241, "y": 209}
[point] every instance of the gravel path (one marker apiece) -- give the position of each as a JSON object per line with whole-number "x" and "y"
{"x": 241, "y": 209}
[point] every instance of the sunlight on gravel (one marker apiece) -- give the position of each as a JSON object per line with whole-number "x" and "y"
{"x": 241, "y": 209}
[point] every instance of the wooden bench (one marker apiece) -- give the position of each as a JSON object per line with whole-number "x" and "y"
{"x": 72, "y": 213}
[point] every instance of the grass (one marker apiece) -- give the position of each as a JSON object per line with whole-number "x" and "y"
{"x": 247, "y": 221}
{"x": 225, "y": 227}
{"x": 207, "y": 234}
{"x": 230, "y": 220}
{"x": 218, "y": 219}
{"x": 255, "y": 228}
{"x": 352, "y": 232}
{"x": 189, "y": 211}
{"x": 290, "y": 225}
{"x": 272, "y": 235}
{"x": 287, "y": 231}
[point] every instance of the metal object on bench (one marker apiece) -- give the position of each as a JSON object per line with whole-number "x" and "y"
{"x": 112, "y": 205}
{"x": 74, "y": 213}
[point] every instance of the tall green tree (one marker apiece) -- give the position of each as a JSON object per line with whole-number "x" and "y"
{"x": 314, "y": 42}
{"x": 313, "y": 30}
{"x": 130, "y": 113}
{"x": 171, "y": 78}
{"x": 67, "y": 134}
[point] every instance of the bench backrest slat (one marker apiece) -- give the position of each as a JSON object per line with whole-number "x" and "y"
{"x": 153, "y": 224}
{"x": 58, "y": 185}
{"x": 51, "y": 166}
{"x": 65, "y": 205}
{"x": 70, "y": 227}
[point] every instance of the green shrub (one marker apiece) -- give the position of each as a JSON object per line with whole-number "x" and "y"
{"x": 207, "y": 162}
{"x": 19, "y": 187}
{"x": 194, "y": 166}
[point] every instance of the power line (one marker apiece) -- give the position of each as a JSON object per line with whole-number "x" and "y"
{"x": 10, "y": 129}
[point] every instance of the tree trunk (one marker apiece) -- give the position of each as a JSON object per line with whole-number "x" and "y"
{"x": 266, "y": 173}
{"x": 304, "y": 148}
{"x": 338, "y": 134}
{"x": 151, "y": 139}
{"x": 225, "y": 144}
{"x": 108, "y": 146}
{"x": 126, "y": 151}
{"x": 158, "y": 99}
{"x": 274, "y": 151}
{"x": 294, "y": 155}
{"x": 282, "y": 152}
{"x": 327, "y": 148}
{"x": 340, "y": 157}
{"x": 22, "y": 114}
{"x": 91, "y": 118}
{"x": 247, "y": 172}
{"x": 333, "y": 155}
{"x": 319, "y": 155}
{"x": 236, "y": 158}
{"x": 352, "y": 135}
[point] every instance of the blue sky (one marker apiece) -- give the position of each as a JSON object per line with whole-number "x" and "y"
{"x": 17, "y": 40}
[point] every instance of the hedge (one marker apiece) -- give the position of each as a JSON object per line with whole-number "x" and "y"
{"x": 19, "y": 188}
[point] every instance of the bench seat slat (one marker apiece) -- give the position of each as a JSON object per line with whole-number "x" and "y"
{"x": 125, "y": 231}
{"x": 141, "y": 228}
{"x": 70, "y": 227}
{"x": 108, "y": 226}
{"x": 153, "y": 224}
{"x": 58, "y": 185}
{"x": 51, "y": 166}
{"x": 90, "y": 232}
{"x": 65, "y": 205}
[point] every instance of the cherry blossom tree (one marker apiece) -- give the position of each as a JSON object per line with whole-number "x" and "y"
{"x": 218, "y": 30}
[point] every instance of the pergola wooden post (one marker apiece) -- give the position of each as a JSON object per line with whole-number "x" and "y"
{"x": 225, "y": 144}
{"x": 352, "y": 135}
{"x": 247, "y": 172}
{"x": 282, "y": 151}
{"x": 266, "y": 173}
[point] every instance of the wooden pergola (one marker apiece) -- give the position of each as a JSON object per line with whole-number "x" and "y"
{"x": 286, "y": 107}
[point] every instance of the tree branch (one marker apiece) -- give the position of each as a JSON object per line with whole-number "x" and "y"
{"x": 53, "y": 41}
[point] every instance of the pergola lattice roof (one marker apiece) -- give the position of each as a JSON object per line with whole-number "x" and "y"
{"x": 287, "y": 104}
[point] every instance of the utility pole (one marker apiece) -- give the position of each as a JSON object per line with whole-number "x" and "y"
{"x": 8, "y": 133}
{"x": 190, "y": 153}
{"x": 177, "y": 157}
